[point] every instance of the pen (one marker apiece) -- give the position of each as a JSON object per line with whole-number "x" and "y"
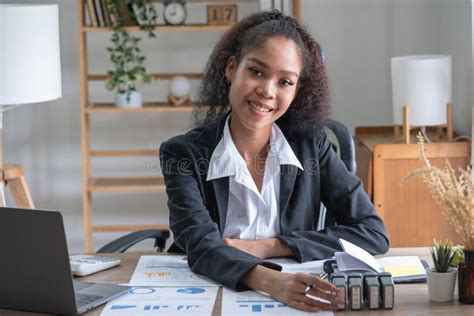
{"x": 322, "y": 276}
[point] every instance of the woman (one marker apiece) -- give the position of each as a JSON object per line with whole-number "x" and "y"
{"x": 246, "y": 185}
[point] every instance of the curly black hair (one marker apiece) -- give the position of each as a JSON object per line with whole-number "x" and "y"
{"x": 309, "y": 111}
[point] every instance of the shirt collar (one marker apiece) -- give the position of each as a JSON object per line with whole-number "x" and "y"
{"x": 281, "y": 150}
{"x": 226, "y": 160}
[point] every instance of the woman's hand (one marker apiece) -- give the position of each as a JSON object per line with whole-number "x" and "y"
{"x": 290, "y": 289}
{"x": 261, "y": 248}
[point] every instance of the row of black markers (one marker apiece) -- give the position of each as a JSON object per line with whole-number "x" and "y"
{"x": 369, "y": 289}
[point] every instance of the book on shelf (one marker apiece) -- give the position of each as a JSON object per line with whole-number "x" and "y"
{"x": 92, "y": 13}
{"x": 100, "y": 15}
{"x": 404, "y": 269}
{"x": 97, "y": 14}
{"x": 105, "y": 12}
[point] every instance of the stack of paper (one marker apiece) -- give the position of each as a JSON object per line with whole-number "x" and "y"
{"x": 291, "y": 266}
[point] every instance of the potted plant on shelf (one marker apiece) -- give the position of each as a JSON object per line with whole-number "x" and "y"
{"x": 129, "y": 73}
{"x": 441, "y": 278}
{"x": 454, "y": 193}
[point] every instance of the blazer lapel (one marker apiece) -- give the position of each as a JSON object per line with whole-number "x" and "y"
{"x": 288, "y": 175}
{"x": 287, "y": 183}
{"x": 221, "y": 191}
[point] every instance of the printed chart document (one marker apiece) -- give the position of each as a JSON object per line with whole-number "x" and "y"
{"x": 256, "y": 303}
{"x": 291, "y": 266}
{"x": 403, "y": 268}
{"x": 166, "y": 271}
{"x": 198, "y": 301}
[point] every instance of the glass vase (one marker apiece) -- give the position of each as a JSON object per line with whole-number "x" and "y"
{"x": 466, "y": 278}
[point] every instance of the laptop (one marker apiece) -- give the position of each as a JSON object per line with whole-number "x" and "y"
{"x": 35, "y": 274}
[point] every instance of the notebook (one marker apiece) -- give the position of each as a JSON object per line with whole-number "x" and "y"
{"x": 404, "y": 269}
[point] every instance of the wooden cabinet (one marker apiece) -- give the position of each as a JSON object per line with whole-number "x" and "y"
{"x": 409, "y": 212}
{"x": 92, "y": 184}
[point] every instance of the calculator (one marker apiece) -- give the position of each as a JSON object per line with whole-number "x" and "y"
{"x": 82, "y": 265}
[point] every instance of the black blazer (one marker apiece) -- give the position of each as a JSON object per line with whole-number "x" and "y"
{"x": 198, "y": 207}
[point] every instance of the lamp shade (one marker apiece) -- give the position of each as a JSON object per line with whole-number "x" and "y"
{"x": 30, "y": 66}
{"x": 422, "y": 82}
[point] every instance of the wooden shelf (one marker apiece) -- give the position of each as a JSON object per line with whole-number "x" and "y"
{"x": 126, "y": 228}
{"x": 163, "y": 28}
{"x": 126, "y": 184}
{"x": 147, "y": 107}
{"x": 125, "y": 153}
{"x": 162, "y": 76}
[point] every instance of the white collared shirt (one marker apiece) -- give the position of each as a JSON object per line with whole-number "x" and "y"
{"x": 251, "y": 214}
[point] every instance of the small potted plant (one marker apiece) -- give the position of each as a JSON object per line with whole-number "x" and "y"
{"x": 442, "y": 278}
{"x": 129, "y": 73}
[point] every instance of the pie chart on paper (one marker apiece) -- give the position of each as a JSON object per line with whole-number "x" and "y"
{"x": 191, "y": 290}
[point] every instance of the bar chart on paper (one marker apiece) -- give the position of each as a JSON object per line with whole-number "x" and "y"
{"x": 254, "y": 303}
{"x": 163, "y": 301}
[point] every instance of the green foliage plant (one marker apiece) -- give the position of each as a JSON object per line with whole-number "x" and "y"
{"x": 443, "y": 255}
{"x": 128, "y": 73}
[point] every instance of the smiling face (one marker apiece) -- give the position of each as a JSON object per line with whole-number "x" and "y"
{"x": 263, "y": 84}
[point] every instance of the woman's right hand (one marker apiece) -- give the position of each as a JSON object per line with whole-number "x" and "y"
{"x": 290, "y": 289}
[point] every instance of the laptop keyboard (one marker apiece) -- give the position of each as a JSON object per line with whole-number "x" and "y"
{"x": 84, "y": 299}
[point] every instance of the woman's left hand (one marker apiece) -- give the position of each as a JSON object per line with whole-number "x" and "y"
{"x": 261, "y": 248}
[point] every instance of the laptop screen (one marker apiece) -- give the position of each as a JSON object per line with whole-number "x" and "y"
{"x": 34, "y": 266}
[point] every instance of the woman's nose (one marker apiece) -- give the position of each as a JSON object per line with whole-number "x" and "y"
{"x": 266, "y": 90}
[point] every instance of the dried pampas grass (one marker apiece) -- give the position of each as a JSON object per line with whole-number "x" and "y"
{"x": 453, "y": 193}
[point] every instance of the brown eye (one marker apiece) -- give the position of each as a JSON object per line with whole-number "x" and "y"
{"x": 286, "y": 82}
{"x": 255, "y": 71}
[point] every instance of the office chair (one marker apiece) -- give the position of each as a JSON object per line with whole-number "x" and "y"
{"x": 343, "y": 144}
{"x": 121, "y": 244}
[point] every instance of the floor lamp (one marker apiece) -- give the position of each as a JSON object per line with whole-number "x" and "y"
{"x": 30, "y": 72}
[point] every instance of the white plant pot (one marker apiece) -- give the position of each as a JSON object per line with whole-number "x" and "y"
{"x": 441, "y": 285}
{"x": 134, "y": 102}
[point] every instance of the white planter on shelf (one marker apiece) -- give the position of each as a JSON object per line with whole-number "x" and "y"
{"x": 441, "y": 285}
{"x": 134, "y": 102}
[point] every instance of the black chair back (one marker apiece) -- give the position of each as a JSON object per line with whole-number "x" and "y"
{"x": 343, "y": 145}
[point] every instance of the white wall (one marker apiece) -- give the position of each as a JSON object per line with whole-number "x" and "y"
{"x": 455, "y": 16}
{"x": 359, "y": 38}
